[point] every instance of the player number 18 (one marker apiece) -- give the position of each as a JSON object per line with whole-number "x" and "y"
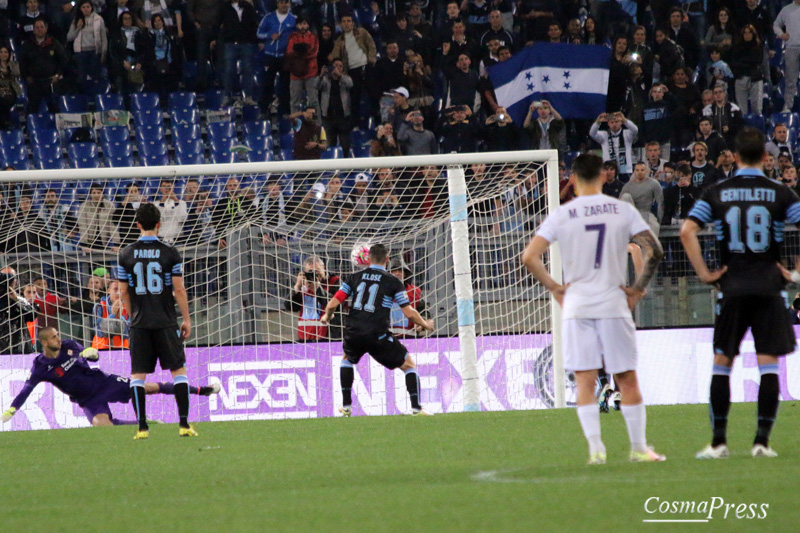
{"x": 755, "y": 226}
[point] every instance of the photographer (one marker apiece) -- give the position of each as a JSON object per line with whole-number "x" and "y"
{"x": 384, "y": 143}
{"x": 457, "y": 131}
{"x": 334, "y": 93}
{"x": 547, "y": 130}
{"x": 16, "y": 313}
{"x": 501, "y": 133}
{"x": 416, "y": 140}
{"x": 311, "y": 291}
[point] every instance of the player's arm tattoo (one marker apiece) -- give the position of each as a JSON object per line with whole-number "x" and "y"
{"x": 653, "y": 253}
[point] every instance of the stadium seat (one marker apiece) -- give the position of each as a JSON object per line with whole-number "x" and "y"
{"x": 154, "y": 160}
{"x": 150, "y": 133}
{"x": 152, "y": 146}
{"x": 115, "y": 134}
{"x": 220, "y": 130}
{"x": 16, "y": 157}
{"x": 189, "y": 146}
{"x": 250, "y": 113}
{"x": 359, "y": 138}
{"x": 257, "y": 127}
{"x": 260, "y": 156}
{"x": 99, "y": 87}
{"x": 334, "y": 152}
{"x": 41, "y": 120}
{"x": 11, "y": 139}
{"x": 147, "y": 117}
{"x": 287, "y": 154}
{"x": 182, "y": 100}
{"x": 754, "y": 120}
{"x": 48, "y": 157}
{"x": 185, "y": 115}
{"x": 284, "y": 126}
{"x": 83, "y": 155}
{"x": 792, "y": 120}
{"x": 219, "y": 157}
{"x": 259, "y": 142}
{"x": 145, "y": 102}
{"x": 189, "y": 158}
{"x": 69, "y": 133}
{"x": 120, "y": 161}
{"x": 44, "y": 136}
{"x": 221, "y": 144}
{"x": 287, "y": 140}
{"x": 213, "y": 99}
{"x": 185, "y": 132}
{"x": 106, "y": 102}
{"x": 73, "y": 103}
{"x": 360, "y": 151}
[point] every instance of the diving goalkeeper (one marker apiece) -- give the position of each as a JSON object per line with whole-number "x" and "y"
{"x": 64, "y": 364}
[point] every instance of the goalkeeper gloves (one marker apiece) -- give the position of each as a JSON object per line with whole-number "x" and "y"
{"x": 90, "y": 354}
{"x": 8, "y": 414}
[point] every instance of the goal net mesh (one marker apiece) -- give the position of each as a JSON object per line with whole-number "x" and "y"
{"x": 262, "y": 254}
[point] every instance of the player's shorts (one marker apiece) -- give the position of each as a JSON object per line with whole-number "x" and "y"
{"x": 116, "y": 389}
{"x": 594, "y": 343}
{"x": 151, "y": 345}
{"x": 386, "y": 350}
{"x": 767, "y": 316}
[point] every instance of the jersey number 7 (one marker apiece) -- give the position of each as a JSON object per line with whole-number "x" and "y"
{"x": 601, "y": 235}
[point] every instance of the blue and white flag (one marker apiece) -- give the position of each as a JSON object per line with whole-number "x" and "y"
{"x": 573, "y": 77}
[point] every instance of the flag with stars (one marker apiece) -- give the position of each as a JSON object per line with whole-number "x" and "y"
{"x": 573, "y": 77}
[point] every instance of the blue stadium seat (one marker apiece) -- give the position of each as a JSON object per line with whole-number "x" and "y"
{"x": 120, "y": 161}
{"x": 152, "y": 146}
{"x": 145, "y": 102}
{"x": 48, "y": 156}
{"x": 792, "y": 120}
{"x": 221, "y": 144}
{"x": 182, "y": 100}
{"x": 334, "y": 152}
{"x": 11, "y": 139}
{"x": 360, "y": 151}
{"x": 189, "y": 158}
{"x": 154, "y": 160}
{"x": 115, "y": 134}
{"x": 147, "y": 118}
{"x": 150, "y": 133}
{"x": 359, "y": 138}
{"x": 16, "y": 156}
{"x": 259, "y": 142}
{"x": 185, "y": 115}
{"x": 257, "y": 127}
{"x": 219, "y": 157}
{"x": 286, "y": 140}
{"x": 287, "y": 154}
{"x": 117, "y": 149}
{"x": 41, "y": 120}
{"x": 106, "y": 102}
{"x": 260, "y": 156}
{"x": 754, "y": 120}
{"x": 284, "y": 126}
{"x": 185, "y": 132}
{"x": 83, "y": 155}
{"x": 250, "y": 113}
{"x": 219, "y": 130}
{"x": 73, "y": 103}
{"x": 213, "y": 99}
{"x": 99, "y": 87}
{"x": 44, "y": 136}
{"x": 69, "y": 132}
{"x": 189, "y": 146}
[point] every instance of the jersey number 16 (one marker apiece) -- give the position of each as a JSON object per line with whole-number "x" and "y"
{"x": 151, "y": 282}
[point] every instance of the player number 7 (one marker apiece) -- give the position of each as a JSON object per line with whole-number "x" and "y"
{"x": 601, "y": 233}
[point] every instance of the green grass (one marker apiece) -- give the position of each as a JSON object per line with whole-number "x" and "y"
{"x": 391, "y": 474}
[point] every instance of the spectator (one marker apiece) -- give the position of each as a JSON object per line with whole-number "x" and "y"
{"x": 48, "y": 304}
{"x": 273, "y": 32}
{"x": 717, "y": 70}
{"x": 111, "y": 321}
{"x": 29, "y": 237}
{"x": 769, "y": 167}
{"x": 96, "y": 222}
{"x": 641, "y": 53}
{"x": 357, "y": 51}
{"x": 657, "y": 119}
{"x": 28, "y": 18}
{"x": 667, "y": 55}
{"x": 170, "y": 15}
{"x": 125, "y": 215}
{"x": 645, "y": 193}
{"x": 90, "y": 295}
{"x": 431, "y": 198}
{"x": 591, "y": 33}
{"x": 330, "y": 12}
{"x": 87, "y": 33}
{"x": 273, "y": 212}
{"x": 238, "y": 27}
{"x": 233, "y": 209}
{"x": 574, "y": 31}
{"x": 197, "y": 228}
{"x": 301, "y": 61}
{"x": 173, "y": 211}
{"x": 359, "y": 201}
{"x": 162, "y": 58}
{"x": 416, "y": 140}
{"x": 462, "y": 83}
{"x": 389, "y": 70}
{"x": 485, "y": 87}
{"x": 712, "y": 139}
{"x": 726, "y": 117}
{"x": 535, "y": 16}
{"x": 59, "y": 224}
{"x": 444, "y": 25}
{"x": 124, "y": 65}
{"x": 42, "y": 64}
{"x": 335, "y": 103}
{"x": 780, "y": 141}
{"x": 726, "y": 165}
{"x": 333, "y": 200}
{"x": 667, "y": 176}
{"x": 305, "y": 207}
{"x": 635, "y": 94}
{"x": 326, "y": 39}
{"x": 9, "y": 86}
{"x": 746, "y": 61}
{"x": 497, "y": 31}
{"x": 418, "y": 81}
{"x": 400, "y": 108}
{"x": 457, "y": 131}
{"x": 308, "y": 298}
{"x": 555, "y": 34}
{"x": 684, "y": 36}
{"x": 703, "y": 172}
{"x": 477, "y": 14}
{"x": 15, "y": 313}
{"x": 384, "y": 143}
{"x": 784, "y": 160}
{"x": 707, "y": 97}
{"x": 457, "y": 45}
{"x": 618, "y": 74}
{"x": 680, "y": 199}
{"x": 405, "y": 36}
{"x": 720, "y": 33}
{"x": 421, "y": 27}
{"x": 787, "y": 28}
{"x": 400, "y": 326}
{"x": 501, "y": 133}
{"x": 310, "y": 139}
{"x": 114, "y": 10}
{"x": 688, "y": 107}
{"x": 204, "y": 15}
{"x": 611, "y": 186}
{"x": 652, "y": 158}
{"x": 616, "y": 143}
{"x": 789, "y": 178}
{"x": 757, "y": 13}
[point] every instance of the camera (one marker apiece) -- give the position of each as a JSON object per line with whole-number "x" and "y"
{"x": 635, "y": 56}
{"x": 501, "y": 117}
{"x": 537, "y": 104}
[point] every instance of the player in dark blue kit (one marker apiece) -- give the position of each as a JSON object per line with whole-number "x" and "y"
{"x": 150, "y": 276}
{"x": 64, "y": 364}
{"x": 748, "y": 212}
{"x": 366, "y": 330}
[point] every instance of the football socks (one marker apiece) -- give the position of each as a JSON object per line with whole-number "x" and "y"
{"x": 181, "y": 385}
{"x": 589, "y": 416}
{"x": 720, "y": 403}
{"x": 768, "y": 399}
{"x": 139, "y": 405}
{"x": 169, "y": 388}
{"x": 346, "y": 375}
{"x": 636, "y": 420}
{"x": 412, "y": 384}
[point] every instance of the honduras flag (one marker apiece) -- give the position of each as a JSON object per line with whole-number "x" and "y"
{"x": 573, "y": 77}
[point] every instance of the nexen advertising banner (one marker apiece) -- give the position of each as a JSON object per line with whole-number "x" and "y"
{"x": 302, "y": 380}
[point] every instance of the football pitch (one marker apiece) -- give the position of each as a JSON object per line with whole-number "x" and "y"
{"x": 509, "y": 471}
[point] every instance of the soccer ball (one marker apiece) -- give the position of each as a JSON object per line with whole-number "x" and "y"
{"x": 360, "y": 255}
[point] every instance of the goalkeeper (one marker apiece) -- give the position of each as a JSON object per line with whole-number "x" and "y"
{"x": 64, "y": 364}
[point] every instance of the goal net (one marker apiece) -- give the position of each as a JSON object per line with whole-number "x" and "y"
{"x": 263, "y": 246}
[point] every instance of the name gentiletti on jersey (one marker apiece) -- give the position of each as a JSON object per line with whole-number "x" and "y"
{"x": 747, "y": 195}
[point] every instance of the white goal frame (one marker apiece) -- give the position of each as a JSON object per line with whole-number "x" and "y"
{"x": 458, "y": 198}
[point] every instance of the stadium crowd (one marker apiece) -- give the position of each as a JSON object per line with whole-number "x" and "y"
{"x": 338, "y": 78}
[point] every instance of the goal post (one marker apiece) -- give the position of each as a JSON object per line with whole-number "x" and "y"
{"x": 254, "y": 237}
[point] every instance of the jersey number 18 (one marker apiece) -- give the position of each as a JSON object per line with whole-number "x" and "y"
{"x": 754, "y": 227}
